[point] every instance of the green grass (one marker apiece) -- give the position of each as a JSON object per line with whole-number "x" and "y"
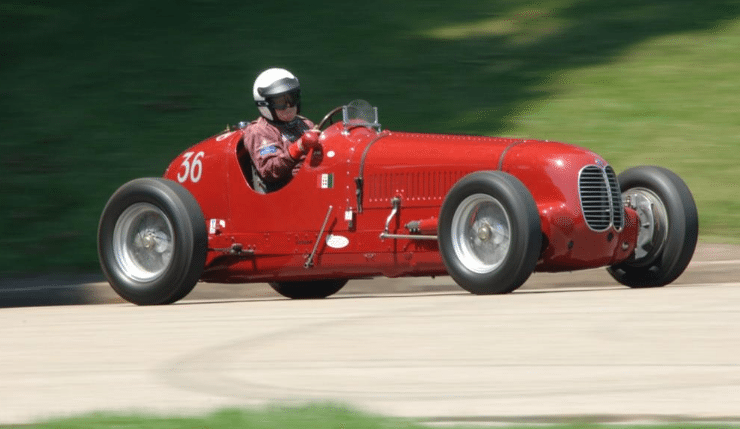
{"x": 323, "y": 416}
{"x": 675, "y": 100}
{"x": 93, "y": 95}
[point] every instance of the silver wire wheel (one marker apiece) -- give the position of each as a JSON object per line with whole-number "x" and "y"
{"x": 653, "y": 232}
{"x": 490, "y": 234}
{"x": 143, "y": 242}
{"x": 481, "y": 233}
{"x": 668, "y": 227}
{"x": 152, "y": 241}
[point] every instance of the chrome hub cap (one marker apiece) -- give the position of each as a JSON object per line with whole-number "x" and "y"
{"x": 484, "y": 232}
{"x": 481, "y": 233}
{"x": 143, "y": 241}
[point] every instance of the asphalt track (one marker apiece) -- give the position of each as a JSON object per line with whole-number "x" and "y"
{"x": 564, "y": 346}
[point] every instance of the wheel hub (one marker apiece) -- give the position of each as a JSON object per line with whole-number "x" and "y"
{"x": 484, "y": 232}
{"x": 143, "y": 242}
{"x": 147, "y": 240}
{"x": 653, "y": 218}
{"x": 481, "y": 233}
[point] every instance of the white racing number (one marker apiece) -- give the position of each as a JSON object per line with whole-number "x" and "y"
{"x": 191, "y": 169}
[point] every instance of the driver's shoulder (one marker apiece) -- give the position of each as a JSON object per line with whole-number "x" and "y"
{"x": 257, "y": 132}
{"x": 260, "y": 126}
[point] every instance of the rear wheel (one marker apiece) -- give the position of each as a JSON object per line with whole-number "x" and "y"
{"x": 669, "y": 227}
{"x": 152, "y": 241}
{"x": 489, "y": 233}
{"x": 314, "y": 289}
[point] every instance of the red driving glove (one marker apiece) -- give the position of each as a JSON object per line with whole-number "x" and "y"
{"x": 309, "y": 140}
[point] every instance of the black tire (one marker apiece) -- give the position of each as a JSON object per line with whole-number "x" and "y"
{"x": 314, "y": 289}
{"x": 152, "y": 241}
{"x": 669, "y": 227}
{"x": 481, "y": 209}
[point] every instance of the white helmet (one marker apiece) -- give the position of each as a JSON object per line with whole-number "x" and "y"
{"x": 272, "y": 83}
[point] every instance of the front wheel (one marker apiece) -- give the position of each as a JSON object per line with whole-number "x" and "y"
{"x": 489, "y": 233}
{"x": 152, "y": 241}
{"x": 314, "y": 289}
{"x": 669, "y": 227}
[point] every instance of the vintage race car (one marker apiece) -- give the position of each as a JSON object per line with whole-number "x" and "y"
{"x": 486, "y": 211}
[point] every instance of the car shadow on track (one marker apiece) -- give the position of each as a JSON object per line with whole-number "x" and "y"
{"x": 48, "y": 290}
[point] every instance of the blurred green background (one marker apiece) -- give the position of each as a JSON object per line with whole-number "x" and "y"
{"x": 95, "y": 94}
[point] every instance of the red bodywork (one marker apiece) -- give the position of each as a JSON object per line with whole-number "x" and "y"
{"x": 348, "y": 188}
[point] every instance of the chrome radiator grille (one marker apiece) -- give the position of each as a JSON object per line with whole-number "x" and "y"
{"x": 601, "y": 199}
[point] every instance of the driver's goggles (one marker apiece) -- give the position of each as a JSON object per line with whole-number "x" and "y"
{"x": 284, "y": 101}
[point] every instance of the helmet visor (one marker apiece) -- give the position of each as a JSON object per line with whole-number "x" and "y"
{"x": 284, "y": 101}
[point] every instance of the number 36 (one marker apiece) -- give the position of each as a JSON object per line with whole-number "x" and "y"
{"x": 192, "y": 170}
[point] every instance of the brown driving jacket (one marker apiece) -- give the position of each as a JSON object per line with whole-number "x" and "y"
{"x": 267, "y": 143}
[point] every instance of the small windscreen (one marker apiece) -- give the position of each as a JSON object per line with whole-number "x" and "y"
{"x": 360, "y": 113}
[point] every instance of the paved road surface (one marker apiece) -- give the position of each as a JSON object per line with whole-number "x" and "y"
{"x": 572, "y": 345}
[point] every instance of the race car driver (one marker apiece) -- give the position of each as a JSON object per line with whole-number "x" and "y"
{"x": 279, "y": 139}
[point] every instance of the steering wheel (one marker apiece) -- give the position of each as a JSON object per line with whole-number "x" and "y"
{"x": 329, "y": 118}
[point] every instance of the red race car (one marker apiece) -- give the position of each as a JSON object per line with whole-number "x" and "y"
{"x": 486, "y": 211}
